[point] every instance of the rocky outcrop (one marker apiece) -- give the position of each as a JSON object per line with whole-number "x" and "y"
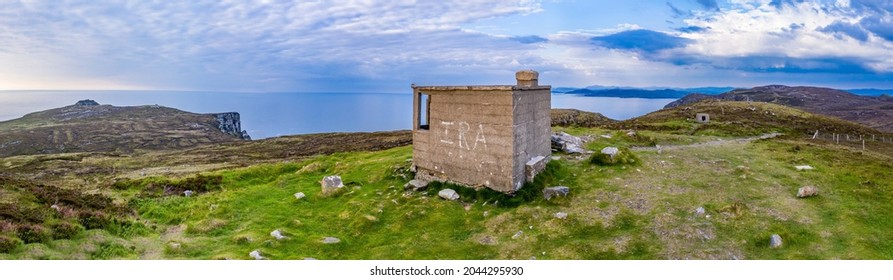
{"x": 231, "y": 123}
{"x": 87, "y": 102}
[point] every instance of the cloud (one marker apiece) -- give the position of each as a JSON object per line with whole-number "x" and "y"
{"x": 853, "y": 30}
{"x": 532, "y": 39}
{"x": 640, "y": 40}
{"x": 709, "y": 4}
{"x": 250, "y": 45}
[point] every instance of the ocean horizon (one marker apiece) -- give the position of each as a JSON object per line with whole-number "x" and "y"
{"x": 266, "y": 115}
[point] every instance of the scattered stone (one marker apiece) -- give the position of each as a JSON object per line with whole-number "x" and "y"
{"x": 300, "y": 195}
{"x": 448, "y": 194}
{"x": 606, "y": 136}
{"x": 310, "y": 259}
{"x": 556, "y": 158}
{"x": 468, "y": 207}
{"x": 803, "y": 167}
{"x": 331, "y": 184}
{"x": 567, "y": 143}
{"x": 416, "y": 185}
{"x": 561, "y": 215}
{"x": 331, "y": 240}
{"x": 486, "y": 213}
{"x": 550, "y": 192}
{"x": 611, "y": 151}
{"x": 277, "y": 234}
{"x": 700, "y": 211}
{"x": 188, "y": 193}
{"x": 807, "y": 191}
{"x": 56, "y": 207}
{"x": 174, "y": 245}
{"x": 534, "y": 166}
{"x": 775, "y": 241}
{"x": 256, "y": 255}
{"x": 371, "y": 218}
{"x": 631, "y": 133}
{"x": 518, "y": 234}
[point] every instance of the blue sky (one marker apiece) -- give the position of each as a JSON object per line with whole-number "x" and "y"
{"x": 383, "y": 46}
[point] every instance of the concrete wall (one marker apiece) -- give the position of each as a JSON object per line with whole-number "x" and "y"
{"x": 470, "y": 138}
{"x": 532, "y": 122}
{"x": 481, "y": 136}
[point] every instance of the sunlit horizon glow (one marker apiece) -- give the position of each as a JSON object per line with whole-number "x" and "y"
{"x": 384, "y": 46}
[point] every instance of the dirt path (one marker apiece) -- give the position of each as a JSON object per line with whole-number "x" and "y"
{"x": 711, "y": 143}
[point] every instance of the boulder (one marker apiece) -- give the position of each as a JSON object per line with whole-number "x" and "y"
{"x": 700, "y": 211}
{"x": 300, "y": 195}
{"x": 277, "y": 234}
{"x": 331, "y": 184}
{"x": 188, "y": 193}
{"x": 561, "y": 215}
{"x": 807, "y": 191}
{"x": 415, "y": 185}
{"x": 256, "y": 255}
{"x": 330, "y": 240}
{"x": 611, "y": 151}
{"x": 775, "y": 241}
{"x": 448, "y": 194}
{"x": 567, "y": 143}
{"x": 550, "y": 192}
{"x": 803, "y": 167}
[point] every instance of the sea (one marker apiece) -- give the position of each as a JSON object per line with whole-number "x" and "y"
{"x": 266, "y": 115}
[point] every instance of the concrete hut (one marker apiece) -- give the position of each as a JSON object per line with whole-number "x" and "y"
{"x": 702, "y": 117}
{"x": 482, "y": 136}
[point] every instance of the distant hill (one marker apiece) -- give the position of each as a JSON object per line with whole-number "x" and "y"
{"x": 573, "y": 117}
{"x": 875, "y": 112}
{"x": 633, "y": 92}
{"x": 90, "y": 127}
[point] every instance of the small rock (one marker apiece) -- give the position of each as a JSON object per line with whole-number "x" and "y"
{"x": 256, "y": 255}
{"x": 331, "y": 240}
{"x": 175, "y": 245}
{"x": 415, "y": 185}
{"x": 550, "y": 192}
{"x": 331, "y": 184}
{"x": 556, "y": 158}
{"x": 188, "y": 193}
{"x": 560, "y": 215}
{"x": 606, "y": 136}
{"x": 448, "y": 194}
{"x": 486, "y": 213}
{"x": 611, "y": 151}
{"x": 56, "y": 207}
{"x": 775, "y": 241}
{"x": 468, "y": 207}
{"x": 803, "y": 167}
{"x": 310, "y": 259}
{"x": 567, "y": 143}
{"x": 807, "y": 191}
{"x": 631, "y": 133}
{"x": 277, "y": 234}
{"x": 300, "y": 195}
{"x": 518, "y": 234}
{"x": 700, "y": 211}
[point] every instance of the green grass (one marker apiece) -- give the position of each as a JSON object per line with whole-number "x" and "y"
{"x": 639, "y": 211}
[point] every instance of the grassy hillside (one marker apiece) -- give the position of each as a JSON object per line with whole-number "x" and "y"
{"x": 641, "y": 210}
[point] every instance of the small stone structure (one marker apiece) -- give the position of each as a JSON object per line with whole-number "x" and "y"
{"x": 702, "y": 118}
{"x": 482, "y": 136}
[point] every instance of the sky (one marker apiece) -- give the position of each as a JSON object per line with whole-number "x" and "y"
{"x": 384, "y": 46}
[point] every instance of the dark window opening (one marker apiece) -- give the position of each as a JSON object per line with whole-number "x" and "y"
{"x": 703, "y": 118}
{"x": 424, "y": 111}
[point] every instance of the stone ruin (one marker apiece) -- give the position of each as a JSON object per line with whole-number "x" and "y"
{"x": 494, "y": 136}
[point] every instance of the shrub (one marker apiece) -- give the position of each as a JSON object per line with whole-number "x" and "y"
{"x": 34, "y": 233}
{"x": 66, "y": 230}
{"x": 625, "y": 156}
{"x": 9, "y": 243}
{"x": 94, "y": 219}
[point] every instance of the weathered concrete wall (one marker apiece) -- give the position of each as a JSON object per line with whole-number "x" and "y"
{"x": 532, "y": 125}
{"x": 469, "y": 140}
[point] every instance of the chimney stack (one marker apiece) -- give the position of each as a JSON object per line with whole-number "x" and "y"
{"x": 527, "y": 78}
